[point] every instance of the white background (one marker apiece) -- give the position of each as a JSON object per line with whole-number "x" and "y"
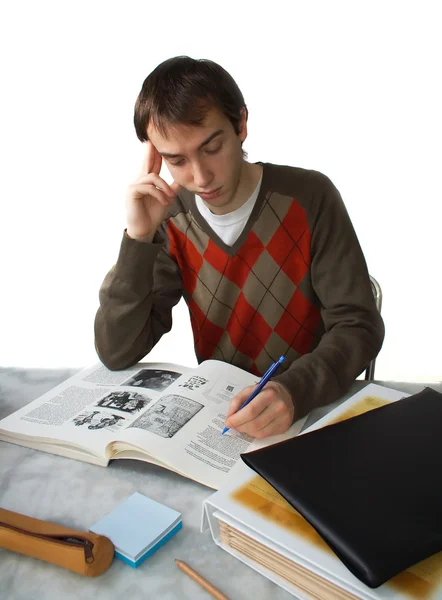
{"x": 348, "y": 88}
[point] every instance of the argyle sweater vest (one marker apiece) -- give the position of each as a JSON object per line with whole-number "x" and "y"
{"x": 246, "y": 302}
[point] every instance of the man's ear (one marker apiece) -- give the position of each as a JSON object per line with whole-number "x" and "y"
{"x": 243, "y": 125}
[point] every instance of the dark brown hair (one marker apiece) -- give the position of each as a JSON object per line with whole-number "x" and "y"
{"x": 182, "y": 90}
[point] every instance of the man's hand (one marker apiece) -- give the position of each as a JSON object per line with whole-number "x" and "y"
{"x": 148, "y": 198}
{"x": 270, "y": 413}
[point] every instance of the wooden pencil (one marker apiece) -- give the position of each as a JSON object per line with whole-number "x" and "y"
{"x": 199, "y": 579}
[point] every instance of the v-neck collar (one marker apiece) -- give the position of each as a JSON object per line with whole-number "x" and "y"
{"x": 201, "y": 221}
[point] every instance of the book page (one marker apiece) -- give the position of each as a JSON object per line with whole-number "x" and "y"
{"x": 161, "y": 413}
{"x": 90, "y": 409}
{"x": 183, "y": 428}
{"x": 371, "y": 397}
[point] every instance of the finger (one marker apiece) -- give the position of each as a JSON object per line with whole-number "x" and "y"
{"x": 153, "y": 159}
{"x": 267, "y": 405}
{"x": 275, "y": 418}
{"x": 175, "y": 187}
{"x": 269, "y": 422}
{"x": 258, "y": 417}
{"x": 158, "y": 161}
{"x": 140, "y": 190}
{"x": 156, "y": 180}
{"x": 239, "y": 399}
{"x": 149, "y": 158}
{"x": 249, "y": 412}
{"x": 273, "y": 427}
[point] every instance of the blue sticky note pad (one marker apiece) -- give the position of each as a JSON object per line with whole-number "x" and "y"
{"x": 138, "y": 527}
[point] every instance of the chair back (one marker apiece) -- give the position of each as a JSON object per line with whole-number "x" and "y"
{"x": 377, "y": 293}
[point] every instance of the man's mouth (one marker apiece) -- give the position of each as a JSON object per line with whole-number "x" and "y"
{"x": 210, "y": 195}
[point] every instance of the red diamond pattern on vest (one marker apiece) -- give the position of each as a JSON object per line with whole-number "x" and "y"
{"x": 280, "y": 246}
{"x": 249, "y": 346}
{"x": 248, "y": 328}
{"x": 187, "y": 256}
{"x": 242, "y": 314}
{"x": 239, "y": 266}
{"x": 290, "y": 244}
{"x": 295, "y": 222}
{"x": 292, "y": 325}
{"x": 205, "y": 333}
{"x": 216, "y": 257}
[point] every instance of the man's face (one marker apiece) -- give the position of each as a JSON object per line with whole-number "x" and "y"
{"x": 205, "y": 159}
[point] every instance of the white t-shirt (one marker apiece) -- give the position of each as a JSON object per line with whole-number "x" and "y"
{"x": 229, "y": 227}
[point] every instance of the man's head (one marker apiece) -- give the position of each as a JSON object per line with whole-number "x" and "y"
{"x": 181, "y": 90}
{"x": 195, "y": 116}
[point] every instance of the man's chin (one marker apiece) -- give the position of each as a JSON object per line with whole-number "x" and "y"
{"x": 217, "y": 194}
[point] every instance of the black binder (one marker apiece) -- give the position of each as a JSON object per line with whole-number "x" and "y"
{"x": 371, "y": 485}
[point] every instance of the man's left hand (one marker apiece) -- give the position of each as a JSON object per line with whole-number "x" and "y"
{"x": 270, "y": 413}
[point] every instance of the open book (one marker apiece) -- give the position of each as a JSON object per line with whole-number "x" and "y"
{"x": 164, "y": 414}
{"x": 249, "y": 519}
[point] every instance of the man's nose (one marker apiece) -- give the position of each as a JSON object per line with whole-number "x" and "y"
{"x": 202, "y": 176}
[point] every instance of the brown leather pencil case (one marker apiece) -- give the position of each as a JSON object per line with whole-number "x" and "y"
{"x": 80, "y": 551}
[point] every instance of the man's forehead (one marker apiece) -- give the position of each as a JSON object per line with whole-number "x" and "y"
{"x": 172, "y": 131}
{"x": 183, "y": 134}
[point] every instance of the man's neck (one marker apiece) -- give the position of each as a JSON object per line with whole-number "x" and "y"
{"x": 250, "y": 176}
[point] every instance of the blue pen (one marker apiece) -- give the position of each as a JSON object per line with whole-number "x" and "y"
{"x": 264, "y": 379}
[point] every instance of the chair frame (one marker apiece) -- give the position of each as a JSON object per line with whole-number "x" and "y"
{"x": 377, "y": 293}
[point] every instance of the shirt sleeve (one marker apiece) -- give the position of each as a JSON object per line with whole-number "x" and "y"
{"x": 354, "y": 329}
{"x": 136, "y": 301}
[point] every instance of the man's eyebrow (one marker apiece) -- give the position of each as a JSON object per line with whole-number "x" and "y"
{"x": 206, "y": 141}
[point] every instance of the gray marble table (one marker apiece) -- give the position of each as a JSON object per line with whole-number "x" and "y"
{"x": 77, "y": 494}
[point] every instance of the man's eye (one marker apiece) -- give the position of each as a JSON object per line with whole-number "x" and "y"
{"x": 178, "y": 163}
{"x": 213, "y": 150}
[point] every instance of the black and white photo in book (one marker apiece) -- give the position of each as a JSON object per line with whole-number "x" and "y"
{"x": 96, "y": 420}
{"x": 126, "y": 401}
{"x": 154, "y": 379}
{"x": 168, "y": 416}
{"x": 194, "y": 382}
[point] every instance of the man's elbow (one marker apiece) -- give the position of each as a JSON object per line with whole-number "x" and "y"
{"x": 377, "y": 334}
{"x": 113, "y": 361}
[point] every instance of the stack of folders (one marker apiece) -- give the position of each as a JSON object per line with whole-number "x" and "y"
{"x": 138, "y": 527}
{"x": 343, "y": 533}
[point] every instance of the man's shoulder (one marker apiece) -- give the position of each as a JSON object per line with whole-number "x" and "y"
{"x": 286, "y": 179}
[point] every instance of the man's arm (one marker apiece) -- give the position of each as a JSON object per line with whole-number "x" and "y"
{"x": 138, "y": 294}
{"x": 353, "y": 325}
{"x": 136, "y": 301}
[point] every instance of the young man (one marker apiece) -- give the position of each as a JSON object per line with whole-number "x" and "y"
{"x": 265, "y": 256}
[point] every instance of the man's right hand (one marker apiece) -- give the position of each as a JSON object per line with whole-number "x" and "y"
{"x": 148, "y": 198}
